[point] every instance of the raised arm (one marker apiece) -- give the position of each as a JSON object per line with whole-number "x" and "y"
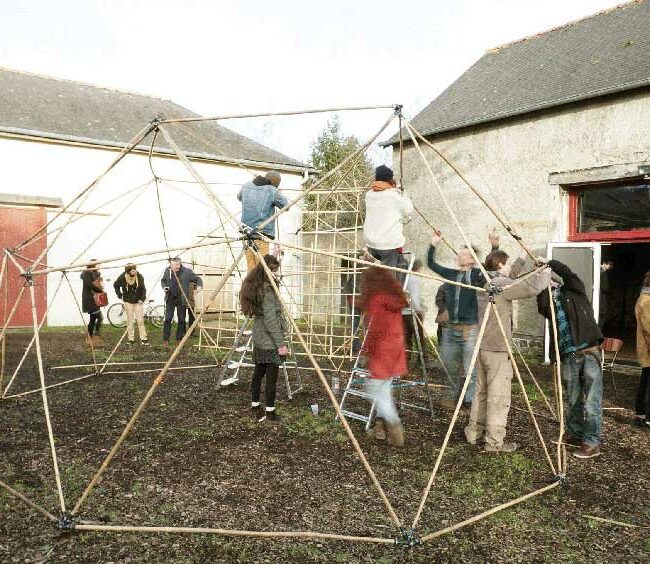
{"x": 445, "y": 272}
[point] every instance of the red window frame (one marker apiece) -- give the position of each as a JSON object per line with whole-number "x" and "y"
{"x": 633, "y": 235}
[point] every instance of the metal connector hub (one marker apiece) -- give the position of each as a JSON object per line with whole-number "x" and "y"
{"x": 66, "y": 522}
{"x": 407, "y": 538}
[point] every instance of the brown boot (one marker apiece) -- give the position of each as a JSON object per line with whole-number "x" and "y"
{"x": 378, "y": 430}
{"x": 97, "y": 341}
{"x": 395, "y": 435}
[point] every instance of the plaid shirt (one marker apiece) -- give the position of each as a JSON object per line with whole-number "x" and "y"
{"x": 564, "y": 340}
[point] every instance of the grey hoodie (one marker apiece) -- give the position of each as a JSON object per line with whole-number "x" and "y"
{"x": 526, "y": 288}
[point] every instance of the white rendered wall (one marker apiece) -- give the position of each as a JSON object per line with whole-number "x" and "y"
{"x": 46, "y": 169}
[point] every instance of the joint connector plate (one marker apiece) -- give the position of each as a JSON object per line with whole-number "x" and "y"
{"x": 407, "y": 538}
{"x": 66, "y": 522}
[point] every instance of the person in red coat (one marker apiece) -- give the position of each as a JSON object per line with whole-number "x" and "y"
{"x": 382, "y": 300}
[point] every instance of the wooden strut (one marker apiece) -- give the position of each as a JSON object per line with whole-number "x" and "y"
{"x": 468, "y": 379}
{"x": 159, "y": 379}
{"x": 535, "y": 382}
{"x": 479, "y": 264}
{"x": 46, "y": 407}
{"x": 86, "y": 333}
{"x": 474, "y": 190}
{"x": 485, "y": 514}
{"x": 289, "y": 113}
{"x": 125, "y": 151}
{"x": 327, "y": 176}
{"x": 521, "y": 385}
{"x": 332, "y": 397}
{"x": 4, "y": 285}
{"x": 31, "y": 342}
{"x": 233, "y": 533}
{"x": 106, "y": 373}
{"x": 21, "y": 497}
{"x": 83, "y": 265}
{"x": 13, "y": 311}
{"x": 561, "y": 449}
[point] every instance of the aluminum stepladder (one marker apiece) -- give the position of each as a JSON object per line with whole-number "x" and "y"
{"x": 358, "y": 374}
{"x": 239, "y": 356}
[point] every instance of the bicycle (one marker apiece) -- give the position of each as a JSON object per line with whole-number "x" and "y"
{"x": 153, "y": 313}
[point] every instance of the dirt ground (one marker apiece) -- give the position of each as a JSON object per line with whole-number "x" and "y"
{"x": 197, "y": 459}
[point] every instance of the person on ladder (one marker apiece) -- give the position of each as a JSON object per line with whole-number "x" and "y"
{"x": 258, "y": 299}
{"x": 387, "y": 209}
{"x": 382, "y": 301}
{"x": 259, "y": 198}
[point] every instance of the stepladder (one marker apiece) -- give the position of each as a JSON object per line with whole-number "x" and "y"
{"x": 240, "y": 356}
{"x": 357, "y": 403}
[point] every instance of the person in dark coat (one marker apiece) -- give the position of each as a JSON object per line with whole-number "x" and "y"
{"x": 176, "y": 282}
{"x": 258, "y": 299}
{"x": 92, "y": 284}
{"x": 130, "y": 288}
{"x": 578, "y": 339}
{"x": 382, "y": 301}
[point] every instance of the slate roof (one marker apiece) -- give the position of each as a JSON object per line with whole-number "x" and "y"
{"x": 66, "y": 110}
{"x": 602, "y": 54}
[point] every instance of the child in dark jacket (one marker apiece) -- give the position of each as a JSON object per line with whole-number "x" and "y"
{"x": 382, "y": 301}
{"x": 258, "y": 299}
{"x": 130, "y": 288}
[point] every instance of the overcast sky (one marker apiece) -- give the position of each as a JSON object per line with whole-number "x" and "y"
{"x": 219, "y": 57}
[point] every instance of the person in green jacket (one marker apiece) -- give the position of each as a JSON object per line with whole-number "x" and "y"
{"x": 258, "y": 299}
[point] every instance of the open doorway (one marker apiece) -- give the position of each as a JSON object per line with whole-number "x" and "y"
{"x": 620, "y": 289}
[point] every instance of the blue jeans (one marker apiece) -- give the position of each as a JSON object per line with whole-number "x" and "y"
{"x": 172, "y": 306}
{"x": 583, "y": 380}
{"x": 456, "y": 352}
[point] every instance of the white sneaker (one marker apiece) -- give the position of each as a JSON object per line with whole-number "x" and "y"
{"x": 229, "y": 381}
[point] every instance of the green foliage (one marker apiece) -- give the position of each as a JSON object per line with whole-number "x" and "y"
{"x": 329, "y": 150}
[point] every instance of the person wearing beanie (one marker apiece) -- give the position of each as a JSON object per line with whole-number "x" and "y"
{"x": 259, "y": 199}
{"x": 130, "y": 288}
{"x": 387, "y": 209}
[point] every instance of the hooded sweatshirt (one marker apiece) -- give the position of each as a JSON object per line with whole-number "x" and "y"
{"x": 387, "y": 209}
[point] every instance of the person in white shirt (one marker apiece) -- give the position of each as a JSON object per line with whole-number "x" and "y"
{"x": 387, "y": 209}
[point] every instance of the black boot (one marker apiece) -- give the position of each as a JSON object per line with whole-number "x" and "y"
{"x": 272, "y": 416}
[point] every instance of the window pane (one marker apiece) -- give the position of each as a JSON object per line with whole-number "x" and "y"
{"x": 620, "y": 208}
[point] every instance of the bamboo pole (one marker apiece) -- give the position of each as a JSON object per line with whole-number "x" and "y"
{"x": 46, "y": 406}
{"x": 101, "y": 370}
{"x": 212, "y": 243}
{"x": 4, "y": 285}
{"x": 502, "y": 221}
{"x": 158, "y": 380}
{"x": 50, "y": 386}
{"x": 485, "y": 514}
{"x": 327, "y": 176}
{"x": 330, "y": 394}
{"x": 24, "y": 499}
{"x": 378, "y": 265}
{"x": 11, "y": 314}
{"x": 468, "y": 378}
{"x": 479, "y": 265}
{"x": 221, "y": 209}
{"x": 532, "y": 377}
{"x": 125, "y": 151}
{"x": 234, "y": 533}
{"x": 31, "y": 342}
{"x": 561, "y": 454}
{"x": 86, "y": 333}
{"x": 270, "y": 114}
{"x": 618, "y": 523}
{"x": 521, "y": 385}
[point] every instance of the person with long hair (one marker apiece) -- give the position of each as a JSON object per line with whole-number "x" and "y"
{"x": 258, "y": 299}
{"x": 92, "y": 284}
{"x": 382, "y": 300}
{"x": 642, "y": 312}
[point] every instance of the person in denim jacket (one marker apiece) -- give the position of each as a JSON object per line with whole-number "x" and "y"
{"x": 259, "y": 198}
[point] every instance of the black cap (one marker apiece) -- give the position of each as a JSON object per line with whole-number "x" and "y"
{"x": 383, "y": 173}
